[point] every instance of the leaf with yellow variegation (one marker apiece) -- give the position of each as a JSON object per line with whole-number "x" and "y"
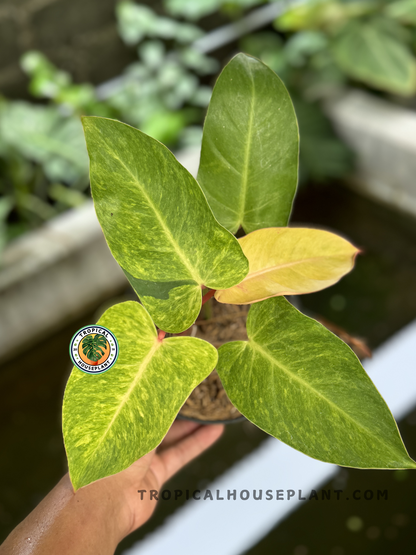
{"x": 158, "y": 224}
{"x": 111, "y": 420}
{"x": 289, "y": 261}
{"x": 300, "y": 383}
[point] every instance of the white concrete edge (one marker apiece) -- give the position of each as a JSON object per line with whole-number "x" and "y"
{"x": 239, "y": 525}
{"x": 56, "y": 273}
{"x": 58, "y": 238}
{"x": 383, "y": 137}
{"x": 378, "y": 117}
{"x": 54, "y": 240}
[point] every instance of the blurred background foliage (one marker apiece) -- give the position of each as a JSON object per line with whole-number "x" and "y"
{"x": 318, "y": 47}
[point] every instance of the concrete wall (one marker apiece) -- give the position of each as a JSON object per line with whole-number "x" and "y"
{"x": 51, "y": 276}
{"x": 383, "y": 137}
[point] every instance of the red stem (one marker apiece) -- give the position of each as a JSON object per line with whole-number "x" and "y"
{"x": 208, "y": 296}
{"x": 161, "y": 335}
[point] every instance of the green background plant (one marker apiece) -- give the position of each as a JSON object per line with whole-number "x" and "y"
{"x": 165, "y": 92}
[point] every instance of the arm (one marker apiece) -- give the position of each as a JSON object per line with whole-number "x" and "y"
{"x": 97, "y": 517}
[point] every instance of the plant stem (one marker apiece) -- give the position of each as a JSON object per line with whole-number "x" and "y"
{"x": 161, "y": 335}
{"x": 208, "y": 296}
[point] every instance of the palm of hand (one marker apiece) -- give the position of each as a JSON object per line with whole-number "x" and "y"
{"x": 184, "y": 441}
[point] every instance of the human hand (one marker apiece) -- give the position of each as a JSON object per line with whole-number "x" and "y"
{"x": 97, "y": 517}
{"x": 184, "y": 441}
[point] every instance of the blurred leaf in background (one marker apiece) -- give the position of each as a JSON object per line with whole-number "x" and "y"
{"x": 161, "y": 94}
{"x": 43, "y": 135}
{"x": 375, "y": 53}
{"x": 39, "y": 147}
{"x": 330, "y": 14}
{"x": 43, "y": 159}
{"x": 402, "y": 10}
{"x": 193, "y": 10}
{"x": 317, "y": 47}
{"x": 49, "y": 82}
{"x": 323, "y": 156}
{"x": 322, "y": 46}
{"x": 369, "y": 41}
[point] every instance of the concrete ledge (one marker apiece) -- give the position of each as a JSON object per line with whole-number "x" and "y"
{"x": 58, "y": 272}
{"x": 383, "y": 137}
{"x": 52, "y": 275}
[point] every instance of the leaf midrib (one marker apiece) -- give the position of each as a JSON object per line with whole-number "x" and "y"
{"x": 281, "y": 266}
{"x": 163, "y": 224}
{"x": 244, "y": 173}
{"x": 267, "y": 354}
{"x": 142, "y": 367}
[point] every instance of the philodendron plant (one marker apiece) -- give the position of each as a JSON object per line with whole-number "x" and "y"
{"x": 173, "y": 237}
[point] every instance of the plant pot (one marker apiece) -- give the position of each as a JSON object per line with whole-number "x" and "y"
{"x": 209, "y": 403}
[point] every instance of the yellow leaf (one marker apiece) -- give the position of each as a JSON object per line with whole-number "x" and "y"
{"x": 289, "y": 261}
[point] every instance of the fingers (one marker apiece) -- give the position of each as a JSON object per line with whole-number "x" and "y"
{"x": 179, "y": 430}
{"x": 178, "y": 455}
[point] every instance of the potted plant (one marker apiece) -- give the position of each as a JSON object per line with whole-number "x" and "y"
{"x": 173, "y": 237}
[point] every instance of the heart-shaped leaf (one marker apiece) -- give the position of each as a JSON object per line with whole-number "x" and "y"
{"x": 300, "y": 383}
{"x": 158, "y": 224}
{"x": 112, "y": 419}
{"x": 289, "y": 261}
{"x": 249, "y": 157}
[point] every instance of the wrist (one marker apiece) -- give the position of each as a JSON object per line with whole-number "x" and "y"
{"x": 106, "y": 500}
{"x": 92, "y": 520}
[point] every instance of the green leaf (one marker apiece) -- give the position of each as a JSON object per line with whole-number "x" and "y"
{"x": 158, "y": 224}
{"x": 402, "y": 10}
{"x": 309, "y": 15}
{"x": 289, "y": 261}
{"x": 300, "y": 46}
{"x": 68, "y": 196}
{"x": 112, "y": 419}
{"x": 42, "y": 134}
{"x": 134, "y": 21}
{"x": 300, "y": 383}
{"x": 323, "y": 13}
{"x": 249, "y": 158}
{"x": 368, "y": 53}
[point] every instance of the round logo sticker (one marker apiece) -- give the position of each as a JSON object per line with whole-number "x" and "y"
{"x": 94, "y": 349}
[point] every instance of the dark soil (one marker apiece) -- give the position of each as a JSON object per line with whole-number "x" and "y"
{"x": 209, "y": 402}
